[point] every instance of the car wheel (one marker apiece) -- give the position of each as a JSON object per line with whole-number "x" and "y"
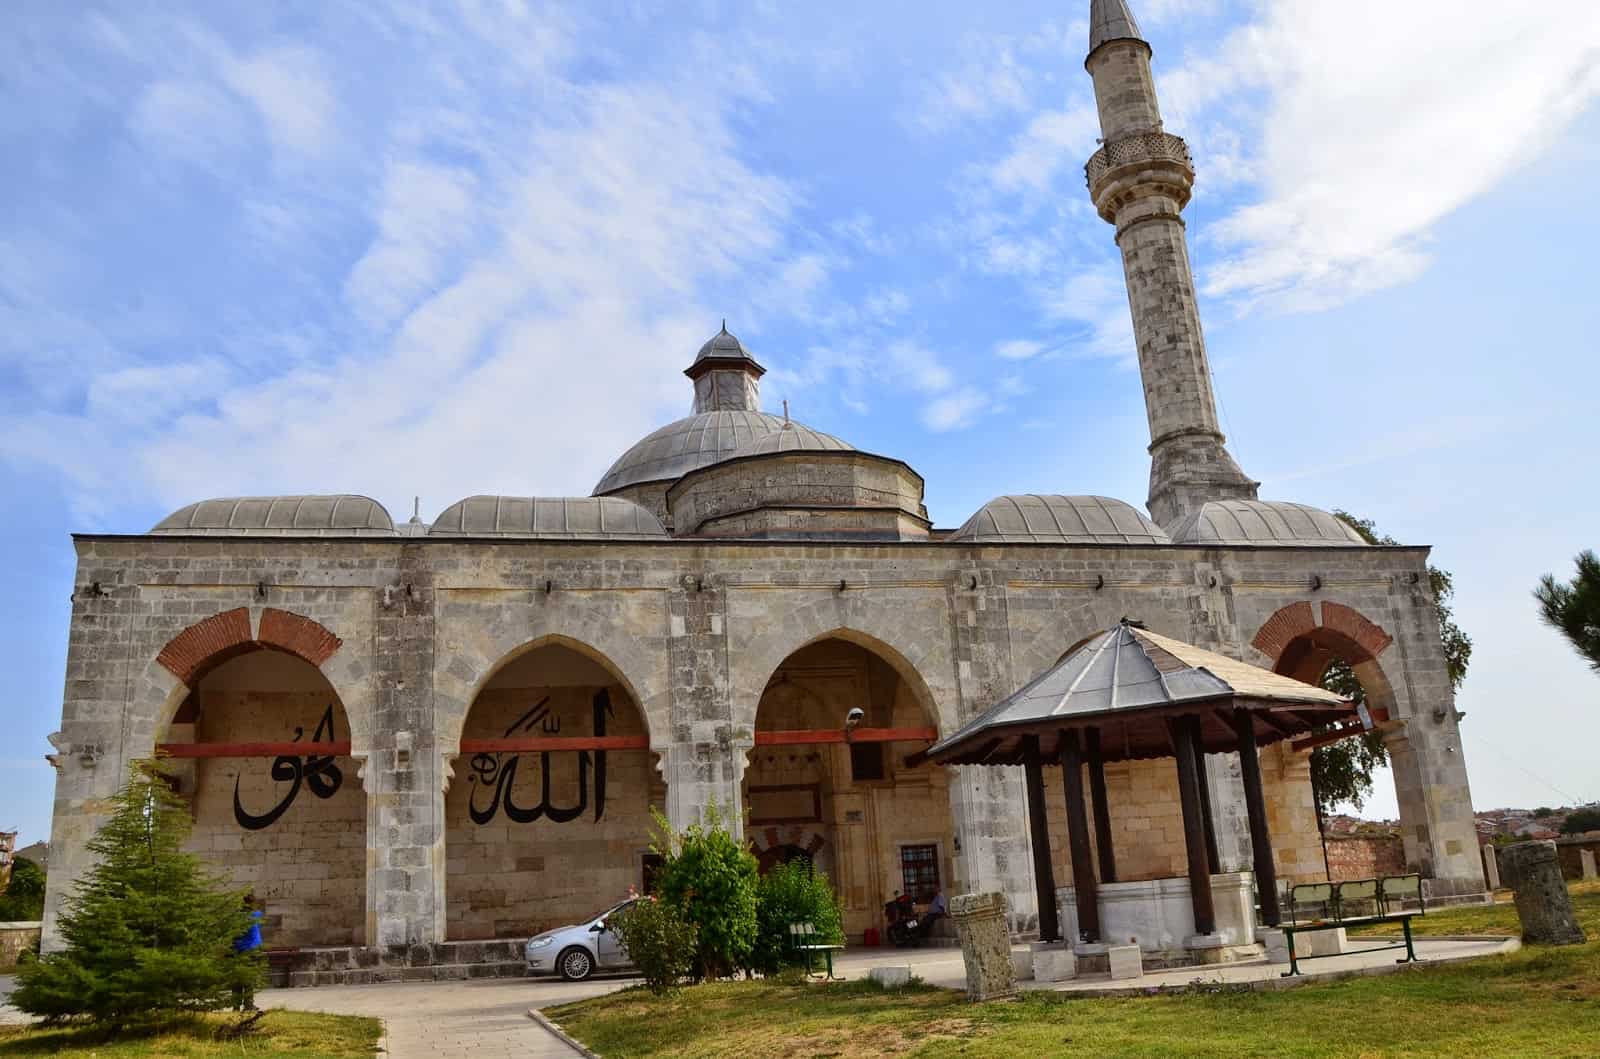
{"x": 575, "y": 964}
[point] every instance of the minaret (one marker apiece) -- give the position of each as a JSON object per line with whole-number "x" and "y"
{"x": 726, "y": 377}
{"x": 1140, "y": 181}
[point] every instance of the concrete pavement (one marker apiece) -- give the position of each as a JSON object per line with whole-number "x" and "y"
{"x": 482, "y": 1018}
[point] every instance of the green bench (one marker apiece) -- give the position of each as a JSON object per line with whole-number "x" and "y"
{"x": 804, "y": 939}
{"x": 1355, "y": 903}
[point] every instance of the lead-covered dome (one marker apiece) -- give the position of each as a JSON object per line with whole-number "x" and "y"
{"x": 687, "y": 444}
{"x": 1041, "y": 519}
{"x": 1264, "y": 523}
{"x": 547, "y": 518}
{"x": 280, "y": 516}
{"x": 791, "y": 437}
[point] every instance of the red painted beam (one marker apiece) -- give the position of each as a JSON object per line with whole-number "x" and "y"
{"x": 192, "y": 750}
{"x": 530, "y": 744}
{"x": 860, "y": 735}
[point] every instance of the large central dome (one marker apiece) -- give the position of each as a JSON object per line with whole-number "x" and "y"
{"x": 685, "y": 445}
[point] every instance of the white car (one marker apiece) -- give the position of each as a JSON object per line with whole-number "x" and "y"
{"x": 576, "y": 952}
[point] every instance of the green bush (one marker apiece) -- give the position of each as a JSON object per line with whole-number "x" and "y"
{"x": 1582, "y": 820}
{"x": 148, "y": 931}
{"x": 711, "y": 880}
{"x": 792, "y": 893}
{"x": 659, "y": 942}
{"x": 23, "y": 901}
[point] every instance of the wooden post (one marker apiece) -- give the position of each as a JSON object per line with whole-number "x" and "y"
{"x": 1102, "y": 809}
{"x": 1044, "y": 876}
{"x": 1213, "y": 859}
{"x": 1255, "y": 804}
{"x": 1205, "y": 917}
{"x": 1086, "y": 892}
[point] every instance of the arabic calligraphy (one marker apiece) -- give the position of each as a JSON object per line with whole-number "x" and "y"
{"x": 497, "y": 772}
{"x": 316, "y": 772}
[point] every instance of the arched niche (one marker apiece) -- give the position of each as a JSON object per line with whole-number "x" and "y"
{"x": 875, "y": 823}
{"x": 542, "y": 838}
{"x": 291, "y": 829}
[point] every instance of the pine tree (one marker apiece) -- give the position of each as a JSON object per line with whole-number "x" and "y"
{"x": 1573, "y": 607}
{"x": 149, "y": 932}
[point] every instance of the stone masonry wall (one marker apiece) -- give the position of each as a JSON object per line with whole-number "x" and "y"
{"x": 694, "y": 631}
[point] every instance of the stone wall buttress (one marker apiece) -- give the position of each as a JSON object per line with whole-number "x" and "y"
{"x": 405, "y": 798}
{"x": 993, "y": 851}
{"x": 704, "y": 761}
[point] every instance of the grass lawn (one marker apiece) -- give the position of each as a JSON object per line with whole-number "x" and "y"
{"x": 279, "y": 1033}
{"x": 1498, "y": 918}
{"x": 1535, "y": 1002}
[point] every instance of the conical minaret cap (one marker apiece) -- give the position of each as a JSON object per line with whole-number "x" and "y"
{"x": 1111, "y": 20}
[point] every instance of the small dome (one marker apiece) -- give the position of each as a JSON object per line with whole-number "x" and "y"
{"x": 669, "y": 453}
{"x": 280, "y": 516}
{"x": 724, "y": 346}
{"x": 1058, "y": 520}
{"x": 1264, "y": 522}
{"x": 547, "y": 518}
{"x": 792, "y": 437}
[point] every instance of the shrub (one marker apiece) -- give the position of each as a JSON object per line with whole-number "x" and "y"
{"x": 148, "y": 932}
{"x": 711, "y": 880}
{"x": 792, "y": 893}
{"x": 659, "y": 942}
{"x": 23, "y": 901}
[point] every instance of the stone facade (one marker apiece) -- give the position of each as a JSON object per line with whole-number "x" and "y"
{"x": 779, "y": 581}
{"x": 689, "y": 634}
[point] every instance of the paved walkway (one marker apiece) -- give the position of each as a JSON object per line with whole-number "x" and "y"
{"x": 484, "y": 1019}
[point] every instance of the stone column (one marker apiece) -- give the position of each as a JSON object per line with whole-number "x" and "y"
{"x": 1491, "y": 867}
{"x": 1543, "y": 904}
{"x": 982, "y": 922}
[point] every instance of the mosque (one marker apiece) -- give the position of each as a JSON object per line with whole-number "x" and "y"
{"x": 403, "y": 737}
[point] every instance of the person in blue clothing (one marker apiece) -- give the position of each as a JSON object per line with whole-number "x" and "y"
{"x": 244, "y": 997}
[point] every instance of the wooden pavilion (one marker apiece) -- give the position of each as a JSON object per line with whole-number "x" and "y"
{"x": 1129, "y": 694}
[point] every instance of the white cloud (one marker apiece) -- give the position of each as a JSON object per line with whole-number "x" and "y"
{"x": 292, "y": 94}
{"x": 1019, "y": 349}
{"x": 1369, "y": 139}
{"x": 190, "y": 120}
{"x": 959, "y": 408}
{"x": 919, "y": 367}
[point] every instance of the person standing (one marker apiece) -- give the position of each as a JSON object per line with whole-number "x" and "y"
{"x": 244, "y": 994}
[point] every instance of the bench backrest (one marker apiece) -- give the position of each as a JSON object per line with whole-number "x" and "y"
{"x": 1400, "y": 888}
{"x": 800, "y": 932}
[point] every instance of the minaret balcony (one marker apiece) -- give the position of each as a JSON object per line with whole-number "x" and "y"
{"x": 1127, "y": 167}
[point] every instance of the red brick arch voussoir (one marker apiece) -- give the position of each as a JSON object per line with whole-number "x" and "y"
{"x": 1297, "y": 619}
{"x": 223, "y": 635}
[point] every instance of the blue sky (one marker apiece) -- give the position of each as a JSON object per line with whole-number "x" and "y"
{"x": 445, "y": 249}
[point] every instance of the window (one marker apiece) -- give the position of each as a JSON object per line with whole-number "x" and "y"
{"x": 652, "y": 864}
{"x": 919, "y": 872}
{"x": 866, "y": 761}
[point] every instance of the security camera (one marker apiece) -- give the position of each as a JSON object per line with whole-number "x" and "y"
{"x": 853, "y": 718}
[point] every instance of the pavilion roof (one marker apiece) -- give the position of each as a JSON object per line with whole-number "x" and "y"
{"x": 1126, "y": 682}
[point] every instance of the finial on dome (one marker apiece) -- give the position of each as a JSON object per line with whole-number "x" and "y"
{"x": 724, "y": 325}
{"x": 786, "y": 413}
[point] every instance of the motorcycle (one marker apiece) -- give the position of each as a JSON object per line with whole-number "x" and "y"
{"x": 906, "y": 926}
